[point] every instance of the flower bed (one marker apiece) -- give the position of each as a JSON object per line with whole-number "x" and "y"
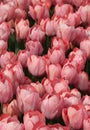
{"x": 45, "y": 65}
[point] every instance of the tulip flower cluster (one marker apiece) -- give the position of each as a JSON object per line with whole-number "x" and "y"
{"x": 45, "y": 65}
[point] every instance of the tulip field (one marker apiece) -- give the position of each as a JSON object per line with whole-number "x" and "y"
{"x": 44, "y": 64}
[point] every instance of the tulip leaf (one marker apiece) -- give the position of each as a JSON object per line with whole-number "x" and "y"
{"x": 51, "y": 12}
{"x": 46, "y": 44}
{"x": 11, "y": 42}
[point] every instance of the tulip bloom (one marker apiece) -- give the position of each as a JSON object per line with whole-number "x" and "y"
{"x": 36, "y": 65}
{"x": 74, "y": 116}
{"x": 33, "y": 118}
{"x": 54, "y": 103}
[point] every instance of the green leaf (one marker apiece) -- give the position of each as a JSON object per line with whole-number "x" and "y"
{"x": 46, "y": 44}
{"x": 11, "y": 42}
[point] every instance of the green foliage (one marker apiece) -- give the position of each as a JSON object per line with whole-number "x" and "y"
{"x": 14, "y": 45}
{"x": 58, "y": 120}
{"x": 12, "y": 42}
{"x": 51, "y": 12}
{"x": 46, "y": 44}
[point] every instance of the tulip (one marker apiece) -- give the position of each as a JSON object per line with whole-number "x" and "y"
{"x": 27, "y": 98}
{"x": 53, "y": 71}
{"x": 36, "y": 34}
{"x": 7, "y": 58}
{"x": 19, "y": 25}
{"x": 32, "y": 118}
{"x": 85, "y": 47}
{"x": 36, "y": 65}
{"x": 34, "y": 47}
{"x": 56, "y": 56}
{"x": 6, "y": 89}
{"x": 54, "y": 103}
{"x": 9, "y": 123}
{"x": 74, "y": 116}
{"x": 63, "y": 10}
{"x": 11, "y": 108}
{"x": 3, "y": 46}
{"x": 4, "y": 31}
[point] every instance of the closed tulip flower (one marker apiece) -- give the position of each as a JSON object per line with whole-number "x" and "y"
{"x": 74, "y": 116}
{"x": 10, "y": 123}
{"x": 19, "y": 25}
{"x": 33, "y": 118}
{"x": 54, "y": 103}
{"x": 36, "y": 65}
{"x": 27, "y": 98}
{"x": 6, "y": 89}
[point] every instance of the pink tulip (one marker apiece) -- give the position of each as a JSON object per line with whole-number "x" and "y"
{"x": 69, "y": 73}
{"x": 56, "y": 56}
{"x": 50, "y": 27}
{"x": 3, "y": 46}
{"x": 39, "y": 11}
{"x": 64, "y": 31}
{"x": 74, "y": 116}
{"x": 73, "y": 19}
{"x": 6, "y": 89}
{"x": 59, "y": 43}
{"x": 11, "y": 108}
{"x": 78, "y": 35}
{"x": 86, "y": 100}
{"x": 22, "y": 4}
{"x": 15, "y": 73}
{"x": 76, "y": 92}
{"x": 71, "y": 98}
{"x": 36, "y": 34}
{"x": 19, "y": 25}
{"x": 33, "y": 118}
{"x": 27, "y": 98}
{"x": 86, "y": 124}
{"x": 7, "y": 10}
{"x": 10, "y": 123}
{"x": 61, "y": 86}
{"x": 85, "y": 47}
{"x": 86, "y": 103}
{"x": 48, "y": 85}
{"x": 36, "y": 65}
{"x": 4, "y": 31}
{"x": 82, "y": 81}
{"x": 39, "y": 88}
{"x": 7, "y": 58}
{"x": 18, "y": 73}
{"x": 77, "y": 58}
{"x": 76, "y": 3}
{"x": 20, "y": 14}
{"x": 23, "y": 56}
{"x": 34, "y": 47}
{"x": 53, "y": 71}
{"x": 84, "y": 13}
{"x": 63, "y": 10}
{"x": 57, "y": 86}
{"x": 54, "y": 103}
